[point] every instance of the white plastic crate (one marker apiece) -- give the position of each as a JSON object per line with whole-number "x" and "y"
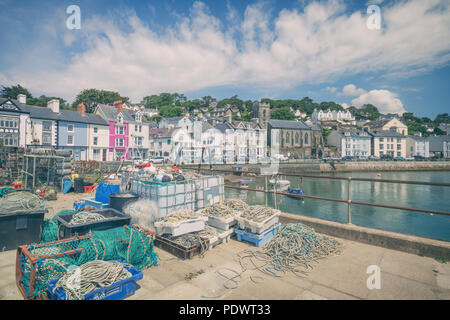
{"x": 180, "y": 227}
{"x": 258, "y": 227}
{"x": 222, "y": 237}
{"x": 222, "y": 223}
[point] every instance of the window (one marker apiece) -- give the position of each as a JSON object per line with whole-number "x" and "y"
{"x": 120, "y": 130}
{"x": 95, "y": 141}
{"x": 69, "y": 139}
{"x": 306, "y": 138}
{"x": 399, "y": 154}
{"x": 140, "y": 128}
{"x": 95, "y": 130}
{"x": 70, "y": 127}
{"x": 381, "y": 139}
{"x": 399, "y": 147}
{"x": 46, "y": 125}
{"x": 119, "y": 142}
{"x": 96, "y": 153}
{"x": 135, "y": 127}
{"x": 398, "y": 140}
{"x": 46, "y": 138}
{"x": 381, "y": 146}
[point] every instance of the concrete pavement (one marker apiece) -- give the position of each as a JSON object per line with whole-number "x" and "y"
{"x": 403, "y": 276}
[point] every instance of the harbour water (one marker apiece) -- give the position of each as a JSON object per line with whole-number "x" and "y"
{"x": 407, "y": 222}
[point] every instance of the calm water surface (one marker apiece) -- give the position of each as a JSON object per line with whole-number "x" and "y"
{"x": 408, "y": 222}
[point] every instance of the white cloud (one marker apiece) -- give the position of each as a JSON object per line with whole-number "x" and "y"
{"x": 385, "y": 100}
{"x": 322, "y": 42}
{"x": 344, "y": 105}
{"x": 331, "y": 89}
{"x": 352, "y": 90}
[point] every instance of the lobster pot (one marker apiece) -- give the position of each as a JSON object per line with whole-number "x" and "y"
{"x": 209, "y": 190}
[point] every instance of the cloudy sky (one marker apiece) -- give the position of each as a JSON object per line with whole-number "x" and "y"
{"x": 255, "y": 49}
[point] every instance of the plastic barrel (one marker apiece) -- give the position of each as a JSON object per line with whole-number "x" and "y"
{"x": 104, "y": 190}
{"x": 119, "y": 201}
{"x": 79, "y": 185}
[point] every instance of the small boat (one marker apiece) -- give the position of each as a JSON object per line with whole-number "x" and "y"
{"x": 282, "y": 185}
{"x": 295, "y": 192}
{"x": 244, "y": 183}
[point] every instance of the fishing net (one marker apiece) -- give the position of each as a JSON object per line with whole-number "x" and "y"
{"x": 50, "y": 228}
{"x": 18, "y": 202}
{"x": 131, "y": 244}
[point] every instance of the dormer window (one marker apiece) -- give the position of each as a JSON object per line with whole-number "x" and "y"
{"x": 120, "y": 118}
{"x": 138, "y": 116}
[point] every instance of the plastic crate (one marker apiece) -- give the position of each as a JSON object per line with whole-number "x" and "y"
{"x": 177, "y": 249}
{"x": 27, "y": 262}
{"x": 88, "y": 189}
{"x": 20, "y": 228}
{"x": 91, "y": 202}
{"x": 181, "y": 227}
{"x": 222, "y": 237}
{"x": 257, "y": 227}
{"x": 117, "y": 291}
{"x": 257, "y": 239}
{"x": 104, "y": 190}
{"x": 222, "y": 223}
{"x": 114, "y": 219}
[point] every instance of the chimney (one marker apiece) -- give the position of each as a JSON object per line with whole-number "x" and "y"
{"x": 22, "y": 98}
{"x": 53, "y": 105}
{"x": 119, "y": 105}
{"x": 81, "y": 109}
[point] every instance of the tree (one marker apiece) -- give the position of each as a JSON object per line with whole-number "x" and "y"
{"x": 170, "y": 111}
{"x": 91, "y": 97}
{"x": 442, "y": 118}
{"x": 13, "y": 91}
{"x": 282, "y": 114}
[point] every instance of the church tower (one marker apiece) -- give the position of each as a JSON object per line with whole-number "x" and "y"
{"x": 261, "y": 112}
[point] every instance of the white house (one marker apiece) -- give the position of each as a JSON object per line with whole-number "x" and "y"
{"x": 355, "y": 143}
{"x": 388, "y": 142}
{"x": 335, "y": 115}
{"x": 417, "y": 146}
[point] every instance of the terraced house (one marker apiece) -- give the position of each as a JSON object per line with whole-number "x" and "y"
{"x": 128, "y": 131}
{"x": 388, "y": 142}
{"x": 49, "y": 127}
{"x": 355, "y": 143}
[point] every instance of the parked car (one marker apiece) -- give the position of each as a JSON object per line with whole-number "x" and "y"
{"x": 420, "y": 158}
{"x": 280, "y": 157}
{"x": 157, "y": 160}
{"x": 348, "y": 158}
{"x": 136, "y": 161}
{"x": 399, "y": 159}
{"x": 363, "y": 158}
{"x": 374, "y": 158}
{"x": 386, "y": 157}
{"x": 409, "y": 158}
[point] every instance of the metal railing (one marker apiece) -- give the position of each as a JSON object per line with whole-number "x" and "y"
{"x": 348, "y": 200}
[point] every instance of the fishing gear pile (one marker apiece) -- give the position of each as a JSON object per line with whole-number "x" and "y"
{"x": 218, "y": 210}
{"x": 236, "y": 204}
{"x": 86, "y": 217}
{"x": 91, "y": 276}
{"x": 131, "y": 244}
{"x": 19, "y": 202}
{"x": 258, "y": 213}
{"x": 179, "y": 215}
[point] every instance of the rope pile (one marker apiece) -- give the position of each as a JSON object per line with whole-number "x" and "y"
{"x": 21, "y": 202}
{"x": 91, "y": 276}
{"x": 258, "y": 213}
{"x": 218, "y": 210}
{"x": 292, "y": 249}
{"x": 236, "y": 204}
{"x": 179, "y": 215}
{"x": 86, "y": 217}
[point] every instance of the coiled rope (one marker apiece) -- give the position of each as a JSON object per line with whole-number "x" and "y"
{"x": 86, "y": 217}
{"x": 91, "y": 276}
{"x": 17, "y": 202}
{"x": 258, "y": 213}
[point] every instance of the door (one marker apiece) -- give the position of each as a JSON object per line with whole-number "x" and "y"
{"x": 104, "y": 155}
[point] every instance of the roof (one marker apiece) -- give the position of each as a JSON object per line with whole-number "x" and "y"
{"x": 245, "y": 125}
{"x": 111, "y": 113}
{"x": 223, "y": 127}
{"x": 437, "y": 142}
{"x": 63, "y": 115}
{"x": 288, "y": 124}
{"x": 378, "y": 123}
{"x": 353, "y": 133}
{"x": 11, "y": 105}
{"x": 386, "y": 133}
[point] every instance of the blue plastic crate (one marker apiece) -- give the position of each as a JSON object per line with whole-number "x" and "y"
{"x": 91, "y": 202}
{"x": 117, "y": 291}
{"x": 104, "y": 190}
{"x": 257, "y": 239}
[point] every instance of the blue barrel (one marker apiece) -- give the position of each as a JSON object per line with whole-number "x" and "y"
{"x": 104, "y": 190}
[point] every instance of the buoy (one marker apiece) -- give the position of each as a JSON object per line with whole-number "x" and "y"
{"x": 379, "y": 174}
